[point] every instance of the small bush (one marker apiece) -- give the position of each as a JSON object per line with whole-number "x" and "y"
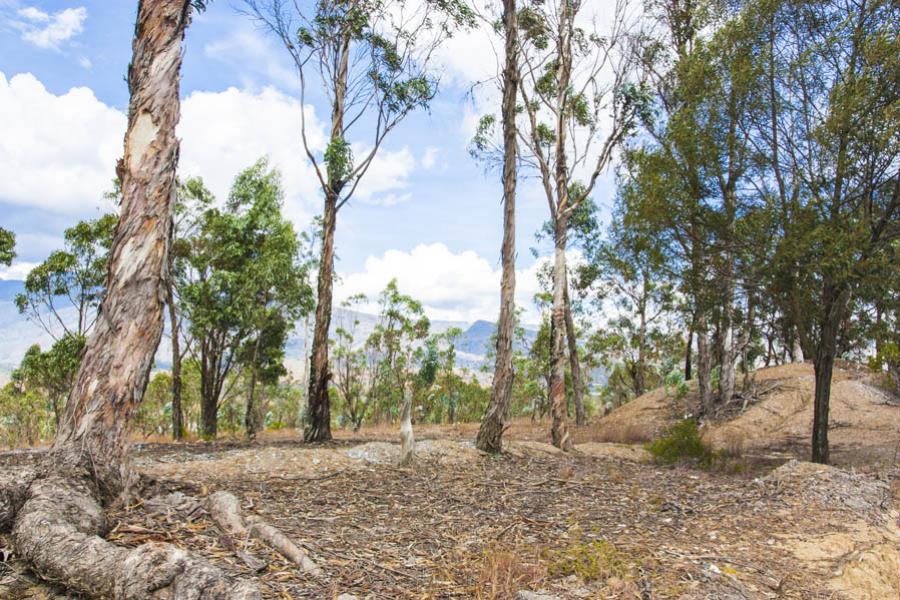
{"x": 681, "y": 442}
{"x": 675, "y": 381}
{"x": 589, "y": 560}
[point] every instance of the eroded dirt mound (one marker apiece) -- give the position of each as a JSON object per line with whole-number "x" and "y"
{"x": 852, "y": 538}
{"x": 772, "y": 416}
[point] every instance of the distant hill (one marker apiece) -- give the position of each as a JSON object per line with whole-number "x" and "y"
{"x": 17, "y": 334}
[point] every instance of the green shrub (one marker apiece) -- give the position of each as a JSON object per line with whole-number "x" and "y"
{"x": 675, "y": 381}
{"x": 589, "y": 560}
{"x": 681, "y": 442}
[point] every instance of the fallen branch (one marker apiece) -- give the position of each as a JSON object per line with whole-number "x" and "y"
{"x": 225, "y": 510}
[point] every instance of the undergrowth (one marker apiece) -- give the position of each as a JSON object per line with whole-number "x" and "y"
{"x": 681, "y": 442}
{"x": 589, "y": 560}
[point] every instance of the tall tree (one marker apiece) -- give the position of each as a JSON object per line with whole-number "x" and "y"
{"x": 489, "y": 438}
{"x": 57, "y": 527}
{"x": 373, "y": 60}
{"x": 580, "y": 101}
{"x": 246, "y": 285}
{"x": 192, "y": 199}
{"x": 833, "y": 143}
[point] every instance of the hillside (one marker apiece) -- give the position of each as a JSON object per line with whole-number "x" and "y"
{"x": 776, "y": 421}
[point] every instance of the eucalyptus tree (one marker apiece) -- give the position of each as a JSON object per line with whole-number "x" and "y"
{"x": 581, "y": 96}
{"x": 394, "y": 349}
{"x": 7, "y": 246}
{"x": 87, "y": 466}
{"x": 192, "y": 199}
{"x": 373, "y": 60}
{"x": 73, "y": 277}
{"x": 245, "y": 288}
{"x": 833, "y": 143}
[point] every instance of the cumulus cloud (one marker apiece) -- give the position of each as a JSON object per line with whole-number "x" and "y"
{"x": 57, "y": 152}
{"x": 18, "y": 271}
{"x": 50, "y": 31}
{"x": 390, "y": 170}
{"x": 225, "y": 132}
{"x": 452, "y": 286}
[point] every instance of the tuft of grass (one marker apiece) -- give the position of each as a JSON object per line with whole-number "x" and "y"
{"x": 590, "y": 560}
{"x": 505, "y": 571}
{"x": 681, "y": 442}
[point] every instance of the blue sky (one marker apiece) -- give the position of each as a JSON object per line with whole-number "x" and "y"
{"x": 428, "y": 213}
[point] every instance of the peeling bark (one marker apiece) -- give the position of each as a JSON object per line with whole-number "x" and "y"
{"x": 407, "y": 440}
{"x": 57, "y": 530}
{"x": 490, "y": 433}
{"x": 318, "y": 411}
{"x": 574, "y": 364}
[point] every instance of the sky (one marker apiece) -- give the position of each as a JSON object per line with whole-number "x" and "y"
{"x": 426, "y": 213}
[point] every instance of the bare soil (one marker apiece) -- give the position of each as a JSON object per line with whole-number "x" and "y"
{"x": 601, "y": 522}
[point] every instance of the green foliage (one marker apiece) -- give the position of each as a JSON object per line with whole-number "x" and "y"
{"x": 589, "y": 560}
{"x": 75, "y": 276}
{"x": 681, "y": 442}
{"x": 52, "y": 373}
{"x": 339, "y": 159}
{"x": 242, "y": 283}
{"x": 7, "y": 246}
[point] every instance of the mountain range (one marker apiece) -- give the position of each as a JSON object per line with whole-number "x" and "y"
{"x": 17, "y": 334}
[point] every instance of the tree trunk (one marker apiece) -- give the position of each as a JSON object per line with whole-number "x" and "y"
{"x": 209, "y": 404}
{"x": 489, "y": 438}
{"x": 559, "y": 432}
{"x": 177, "y": 412}
{"x": 728, "y": 354}
{"x": 407, "y": 440}
{"x": 704, "y": 366}
{"x": 57, "y": 528}
{"x": 318, "y": 410}
{"x": 835, "y": 306}
{"x": 688, "y": 351}
{"x": 252, "y": 416}
{"x": 574, "y": 364}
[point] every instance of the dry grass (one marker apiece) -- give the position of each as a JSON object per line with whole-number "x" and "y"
{"x": 626, "y": 433}
{"x": 506, "y": 571}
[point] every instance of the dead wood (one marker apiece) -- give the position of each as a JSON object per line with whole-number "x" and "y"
{"x": 225, "y": 510}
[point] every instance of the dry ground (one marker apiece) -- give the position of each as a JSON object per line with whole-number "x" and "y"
{"x": 601, "y": 522}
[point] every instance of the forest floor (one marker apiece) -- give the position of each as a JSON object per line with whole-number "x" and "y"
{"x": 600, "y": 522}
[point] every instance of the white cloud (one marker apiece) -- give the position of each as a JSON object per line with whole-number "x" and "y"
{"x": 225, "y": 132}
{"x": 255, "y": 54}
{"x": 452, "y": 286}
{"x": 390, "y": 170}
{"x": 16, "y": 271}
{"x": 85, "y": 62}
{"x": 33, "y": 13}
{"x": 50, "y": 31}
{"x": 56, "y": 152}
{"x": 429, "y": 158}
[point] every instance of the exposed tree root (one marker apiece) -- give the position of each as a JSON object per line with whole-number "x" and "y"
{"x": 225, "y": 510}
{"x": 14, "y": 484}
{"x": 57, "y": 531}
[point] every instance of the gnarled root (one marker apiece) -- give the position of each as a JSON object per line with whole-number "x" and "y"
{"x": 225, "y": 510}
{"x": 14, "y": 484}
{"x": 57, "y": 532}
